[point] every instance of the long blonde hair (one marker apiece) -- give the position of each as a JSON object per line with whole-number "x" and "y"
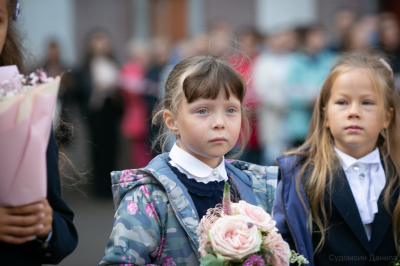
{"x": 318, "y": 153}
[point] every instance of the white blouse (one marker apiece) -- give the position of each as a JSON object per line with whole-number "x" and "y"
{"x": 193, "y": 168}
{"x": 367, "y": 179}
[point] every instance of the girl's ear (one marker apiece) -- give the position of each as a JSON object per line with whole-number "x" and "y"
{"x": 170, "y": 122}
{"x": 388, "y": 118}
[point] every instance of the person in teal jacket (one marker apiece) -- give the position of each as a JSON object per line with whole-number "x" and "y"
{"x": 306, "y": 75}
{"x": 159, "y": 207}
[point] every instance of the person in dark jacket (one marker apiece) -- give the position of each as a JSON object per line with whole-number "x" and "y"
{"x": 337, "y": 200}
{"x": 22, "y": 242}
{"x": 42, "y": 232}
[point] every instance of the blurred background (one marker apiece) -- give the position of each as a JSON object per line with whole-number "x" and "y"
{"x": 116, "y": 55}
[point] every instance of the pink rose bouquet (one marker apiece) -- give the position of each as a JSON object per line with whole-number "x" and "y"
{"x": 242, "y": 234}
{"x": 26, "y": 113}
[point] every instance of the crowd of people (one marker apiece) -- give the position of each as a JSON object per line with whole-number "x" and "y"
{"x": 284, "y": 71}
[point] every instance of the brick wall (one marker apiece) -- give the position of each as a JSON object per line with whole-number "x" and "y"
{"x": 237, "y": 13}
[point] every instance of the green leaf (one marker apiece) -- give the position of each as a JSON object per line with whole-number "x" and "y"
{"x": 209, "y": 250}
{"x": 211, "y": 260}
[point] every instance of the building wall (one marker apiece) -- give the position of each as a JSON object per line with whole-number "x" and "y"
{"x": 237, "y": 13}
{"x": 274, "y": 15}
{"x": 44, "y": 20}
{"x": 113, "y": 16}
{"x": 169, "y": 19}
{"x": 326, "y": 10}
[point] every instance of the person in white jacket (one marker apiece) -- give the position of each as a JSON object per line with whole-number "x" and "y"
{"x": 270, "y": 75}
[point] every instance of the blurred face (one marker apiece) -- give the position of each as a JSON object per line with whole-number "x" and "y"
{"x": 200, "y": 43}
{"x": 53, "y": 53}
{"x": 390, "y": 34}
{"x": 279, "y": 42}
{"x": 315, "y": 40}
{"x": 207, "y": 129}
{"x": 249, "y": 43}
{"x": 4, "y": 22}
{"x": 353, "y": 114}
{"x": 343, "y": 20}
{"x": 100, "y": 44}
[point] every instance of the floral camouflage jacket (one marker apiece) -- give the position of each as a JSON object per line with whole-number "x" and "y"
{"x": 155, "y": 221}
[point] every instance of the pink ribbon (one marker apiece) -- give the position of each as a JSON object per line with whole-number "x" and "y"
{"x": 387, "y": 66}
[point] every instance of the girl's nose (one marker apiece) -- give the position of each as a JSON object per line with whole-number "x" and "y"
{"x": 354, "y": 111}
{"x": 218, "y": 123}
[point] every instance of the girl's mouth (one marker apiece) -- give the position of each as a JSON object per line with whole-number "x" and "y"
{"x": 218, "y": 140}
{"x": 353, "y": 128}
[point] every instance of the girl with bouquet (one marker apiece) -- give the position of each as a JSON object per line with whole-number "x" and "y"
{"x": 42, "y": 232}
{"x": 159, "y": 206}
{"x": 338, "y": 194}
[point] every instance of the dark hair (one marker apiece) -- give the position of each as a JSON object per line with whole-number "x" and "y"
{"x": 207, "y": 77}
{"x": 13, "y": 51}
{"x": 89, "y": 53}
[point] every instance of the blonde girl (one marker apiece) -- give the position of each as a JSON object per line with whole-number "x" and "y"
{"x": 159, "y": 207}
{"x": 337, "y": 197}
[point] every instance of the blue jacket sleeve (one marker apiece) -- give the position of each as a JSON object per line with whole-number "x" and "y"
{"x": 279, "y": 217}
{"x": 65, "y": 238}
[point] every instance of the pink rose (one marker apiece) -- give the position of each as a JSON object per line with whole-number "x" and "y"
{"x": 158, "y": 252}
{"x": 169, "y": 261}
{"x": 132, "y": 208}
{"x": 139, "y": 177}
{"x": 260, "y": 217}
{"x": 232, "y": 239}
{"x": 126, "y": 177}
{"x": 144, "y": 189}
{"x": 280, "y": 249}
{"x": 150, "y": 210}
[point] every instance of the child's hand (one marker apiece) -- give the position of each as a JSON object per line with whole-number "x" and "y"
{"x": 47, "y": 221}
{"x": 21, "y": 224}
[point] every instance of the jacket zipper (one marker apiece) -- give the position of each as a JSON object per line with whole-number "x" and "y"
{"x": 176, "y": 213}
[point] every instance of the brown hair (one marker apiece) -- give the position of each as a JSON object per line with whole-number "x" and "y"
{"x": 13, "y": 51}
{"x": 202, "y": 76}
{"x": 318, "y": 152}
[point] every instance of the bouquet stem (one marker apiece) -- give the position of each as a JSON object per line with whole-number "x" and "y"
{"x": 226, "y": 200}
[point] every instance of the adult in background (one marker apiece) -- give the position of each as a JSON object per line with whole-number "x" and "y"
{"x": 96, "y": 85}
{"x": 309, "y": 68}
{"x": 271, "y": 71}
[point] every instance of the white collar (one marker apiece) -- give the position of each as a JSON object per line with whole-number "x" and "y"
{"x": 347, "y": 161}
{"x": 193, "y": 165}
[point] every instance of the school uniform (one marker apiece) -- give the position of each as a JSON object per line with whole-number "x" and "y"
{"x": 63, "y": 239}
{"x": 205, "y": 185}
{"x": 359, "y": 228}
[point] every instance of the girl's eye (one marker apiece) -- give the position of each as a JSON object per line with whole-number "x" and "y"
{"x": 341, "y": 102}
{"x": 202, "y": 111}
{"x": 231, "y": 111}
{"x": 368, "y": 103}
